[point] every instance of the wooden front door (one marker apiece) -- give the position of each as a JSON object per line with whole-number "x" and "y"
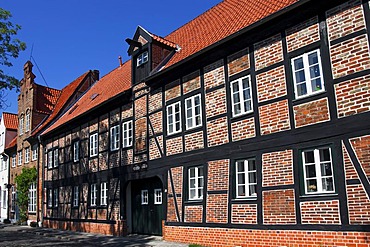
{"x": 147, "y": 206}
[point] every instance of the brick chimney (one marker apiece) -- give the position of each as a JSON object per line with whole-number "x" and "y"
{"x": 28, "y": 77}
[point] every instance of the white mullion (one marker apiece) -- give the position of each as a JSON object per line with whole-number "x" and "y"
{"x": 318, "y": 170}
{"x": 306, "y": 68}
{"x": 246, "y": 172}
{"x": 241, "y": 96}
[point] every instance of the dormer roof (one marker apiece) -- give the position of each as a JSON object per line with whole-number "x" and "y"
{"x": 10, "y": 120}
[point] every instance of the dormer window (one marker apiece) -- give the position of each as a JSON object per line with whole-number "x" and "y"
{"x": 142, "y": 58}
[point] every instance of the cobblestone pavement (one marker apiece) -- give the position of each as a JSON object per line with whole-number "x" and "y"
{"x": 11, "y": 236}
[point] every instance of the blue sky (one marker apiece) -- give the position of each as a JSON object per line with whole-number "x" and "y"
{"x": 70, "y": 37}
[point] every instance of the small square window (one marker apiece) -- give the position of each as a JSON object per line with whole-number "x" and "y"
{"x": 158, "y": 196}
{"x": 114, "y": 137}
{"x": 34, "y": 152}
{"x": 127, "y": 134}
{"x": 76, "y": 151}
{"x": 246, "y": 178}
{"x": 94, "y": 145}
{"x": 75, "y": 196}
{"x": 103, "y": 193}
{"x": 93, "y": 195}
{"x": 307, "y": 74}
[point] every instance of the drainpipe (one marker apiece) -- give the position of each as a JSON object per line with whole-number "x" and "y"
{"x": 40, "y": 220}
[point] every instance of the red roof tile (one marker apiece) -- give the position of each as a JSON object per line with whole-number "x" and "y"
{"x": 10, "y": 120}
{"x": 65, "y": 95}
{"x": 109, "y": 86}
{"x": 163, "y": 41}
{"x": 46, "y": 98}
{"x": 224, "y": 19}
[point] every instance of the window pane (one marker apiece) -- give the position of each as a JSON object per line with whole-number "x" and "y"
{"x": 241, "y": 178}
{"x": 314, "y": 71}
{"x": 252, "y": 190}
{"x": 310, "y": 171}
{"x": 312, "y": 58}
{"x": 327, "y": 184}
{"x": 309, "y": 157}
{"x": 316, "y": 84}
{"x": 251, "y": 165}
{"x": 326, "y": 169}
{"x": 299, "y": 76}
{"x": 200, "y": 171}
{"x": 324, "y": 155}
{"x": 241, "y": 190}
{"x": 248, "y": 105}
{"x": 252, "y": 177}
{"x": 235, "y": 87}
{"x": 298, "y": 63}
{"x": 246, "y": 82}
{"x": 301, "y": 89}
{"x": 192, "y": 193}
{"x": 311, "y": 185}
{"x": 240, "y": 166}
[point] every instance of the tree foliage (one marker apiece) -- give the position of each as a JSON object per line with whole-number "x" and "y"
{"x": 9, "y": 48}
{"x": 24, "y": 181}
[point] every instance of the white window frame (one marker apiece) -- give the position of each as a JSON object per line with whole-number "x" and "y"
{"x": 14, "y": 160}
{"x": 93, "y": 145}
{"x": 318, "y": 172}
{"x": 172, "y": 108}
{"x": 241, "y": 96}
{"x": 5, "y": 198}
{"x": 50, "y": 159}
{"x": 190, "y": 112}
{"x": 76, "y": 151}
{"x": 127, "y": 134}
{"x": 196, "y": 183}
{"x": 76, "y": 193}
{"x": 93, "y": 195}
{"x": 103, "y": 193}
{"x": 114, "y": 137}
{"x": 142, "y": 58}
{"x": 28, "y": 121}
{"x": 306, "y": 69}
{"x": 144, "y": 197}
{"x": 21, "y": 125}
{"x": 56, "y": 157}
{"x": 27, "y": 155}
{"x": 56, "y": 197}
{"x": 32, "y": 195}
{"x": 245, "y": 174}
{"x": 34, "y": 152}
{"x": 158, "y": 196}
{"x": 20, "y": 161}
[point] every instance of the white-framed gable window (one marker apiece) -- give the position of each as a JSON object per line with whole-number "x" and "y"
{"x": 127, "y": 134}
{"x": 318, "y": 171}
{"x": 144, "y": 197}
{"x": 173, "y": 118}
{"x": 20, "y": 161}
{"x": 93, "y": 195}
{"x": 196, "y": 183}
{"x": 241, "y": 96}
{"x": 94, "y": 145}
{"x": 246, "y": 178}
{"x": 28, "y": 121}
{"x": 34, "y": 152}
{"x": 307, "y": 74}
{"x": 142, "y": 58}
{"x": 193, "y": 112}
{"x": 114, "y": 137}
{"x": 75, "y": 196}
{"x": 103, "y": 193}
{"x": 27, "y": 155}
{"x": 76, "y": 151}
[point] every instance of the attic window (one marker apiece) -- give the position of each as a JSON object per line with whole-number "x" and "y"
{"x": 142, "y": 58}
{"x": 94, "y": 96}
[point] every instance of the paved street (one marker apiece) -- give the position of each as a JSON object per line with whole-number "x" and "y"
{"x": 27, "y": 236}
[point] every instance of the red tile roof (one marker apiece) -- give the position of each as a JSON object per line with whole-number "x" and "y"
{"x": 219, "y": 22}
{"x": 163, "y": 41}
{"x": 10, "y": 120}
{"x": 224, "y": 19}
{"x": 66, "y": 93}
{"x": 109, "y": 86}
{"x": 46, "y": 98}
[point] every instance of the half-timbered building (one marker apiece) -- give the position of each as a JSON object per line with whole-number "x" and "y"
{"x": 247, "y": 126}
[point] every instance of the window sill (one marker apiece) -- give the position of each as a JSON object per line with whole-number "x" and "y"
{"x": 321, "y": 194}
{"x": 306, "y": 98}
{"x": 242, "y": 116}
{"x": 254, "y": 198}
